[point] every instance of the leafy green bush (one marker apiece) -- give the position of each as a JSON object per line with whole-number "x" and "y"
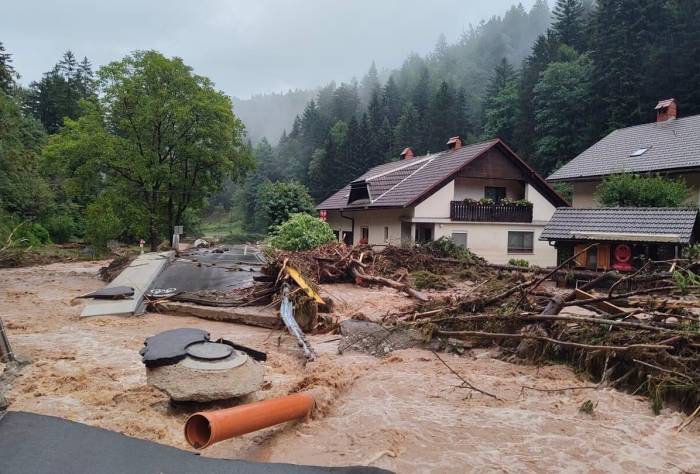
{"x": 61, "y": 227}
{"x": 519, "y": 262}
{"x": 301, "y": 232}
{"x": 424, "y": 280}
{"x": 446, "y": 248}
{"x": 31, "y": 235}
{"x": 633, "y": 190}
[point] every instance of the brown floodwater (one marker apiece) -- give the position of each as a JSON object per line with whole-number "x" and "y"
{"x": 406, "y": 412}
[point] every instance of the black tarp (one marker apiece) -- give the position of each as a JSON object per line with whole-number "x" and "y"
{"x": 39, "y": 444}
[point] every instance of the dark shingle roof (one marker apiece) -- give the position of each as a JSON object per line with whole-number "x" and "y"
{"x": 673, "y": 144}
{"x": 399, "y": 183}
{"x": 403, "y": 183}
{"x": 658, "y": 223}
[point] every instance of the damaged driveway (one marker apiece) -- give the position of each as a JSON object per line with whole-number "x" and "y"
{"x": 220, "y": 269}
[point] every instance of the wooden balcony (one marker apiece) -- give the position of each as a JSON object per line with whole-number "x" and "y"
{"x": 477, "y": 212}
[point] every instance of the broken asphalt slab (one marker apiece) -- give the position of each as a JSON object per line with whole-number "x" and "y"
{"x": 43, "y": 444}
{"x": 139, "y": 275}
{"x": 217, "y": 269}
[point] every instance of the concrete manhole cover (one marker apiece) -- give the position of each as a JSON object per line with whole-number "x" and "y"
{"x": 209, "y": 350}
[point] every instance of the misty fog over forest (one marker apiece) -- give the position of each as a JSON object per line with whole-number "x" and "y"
{"x": 321, "y": 92}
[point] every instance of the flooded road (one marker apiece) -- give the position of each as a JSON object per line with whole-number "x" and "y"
{"x": 406, "y": 412}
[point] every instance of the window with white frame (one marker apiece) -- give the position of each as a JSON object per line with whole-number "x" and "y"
{"x": 460, "y": 239}
{"x": 520, "y": 242}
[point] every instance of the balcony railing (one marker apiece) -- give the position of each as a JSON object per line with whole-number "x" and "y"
{"x": 477, "y": 212}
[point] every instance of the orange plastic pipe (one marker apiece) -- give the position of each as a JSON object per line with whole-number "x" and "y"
{"x": 206, "y": 428}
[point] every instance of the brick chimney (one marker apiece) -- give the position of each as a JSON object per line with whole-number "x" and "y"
{"x": 454, "y": 143}
{"x": 407, "y": 153}
{"x": 666, "y": 110}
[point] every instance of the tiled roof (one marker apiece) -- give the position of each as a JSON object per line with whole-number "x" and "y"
{"x": 658, "y": 223}
{"x": 402, "y": 183}
{"x": 673, "y": 144}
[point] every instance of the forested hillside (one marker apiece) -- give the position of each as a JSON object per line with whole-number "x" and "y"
{"x": 96, "y": 155}
{"x": 598, "y": 66}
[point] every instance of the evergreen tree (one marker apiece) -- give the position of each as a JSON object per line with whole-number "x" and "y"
{"x": 369, "y": 84}
{"x": 462, "y": 124}
{"x": 501, "y": 103}
{"x": 563, "y": 102}
{"x": 58, "y": 94}
{"x": 443, "y": 117}
{"x": 544, "y": 52}
{"x": 406, "y": 131}
{"x": 421, "y": 103}
{"x": 7, "y": 72}
{"x": 346, "y": 102}
{"x": 391, "y": 100}
{"x": 568, "y": 25}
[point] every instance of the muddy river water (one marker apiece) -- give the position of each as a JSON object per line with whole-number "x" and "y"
{"x": 406, "y": 412}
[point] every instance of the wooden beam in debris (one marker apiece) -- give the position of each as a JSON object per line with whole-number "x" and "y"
{"x": 250, "y": 315}
{"x": 604, "y": 306}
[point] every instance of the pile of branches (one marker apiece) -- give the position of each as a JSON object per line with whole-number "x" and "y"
{"x": 362, "y": 264}
{"x": 115, "y": 267}
{"x": 650, "y": 346}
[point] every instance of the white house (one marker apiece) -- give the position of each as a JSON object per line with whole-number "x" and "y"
{"x": 627, "y": 237}
{"x": 483, "y": 196}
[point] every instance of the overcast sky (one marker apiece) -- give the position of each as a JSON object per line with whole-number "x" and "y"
{"x": 245, "y": 47}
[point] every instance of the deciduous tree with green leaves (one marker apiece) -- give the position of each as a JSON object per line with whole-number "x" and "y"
{"x": 162, "y": 136}
{"x": 279, "y": 200}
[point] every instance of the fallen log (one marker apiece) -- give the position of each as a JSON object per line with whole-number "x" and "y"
{"x": 355, "y": 270}
{"x": 493, "y": 335}
{"x": 620, "y": 296}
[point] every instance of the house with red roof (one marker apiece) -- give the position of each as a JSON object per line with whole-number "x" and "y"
{"x": 482, "y": 196}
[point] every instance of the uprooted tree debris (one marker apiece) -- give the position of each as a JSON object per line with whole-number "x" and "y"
{"x": 640, "y": 333}
{"x": 649, "y": 344}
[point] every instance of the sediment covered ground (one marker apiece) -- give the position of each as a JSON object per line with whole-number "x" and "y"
{"x": 405, "y": 412}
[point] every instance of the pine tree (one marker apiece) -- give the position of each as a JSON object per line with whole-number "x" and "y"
{"x": 391, "y": 100}
{"x": 443, "y": 117}
{"x": 462, "y": 123}
{"x": 346, "y": 102}
{"x": 406, "y": 131}
{"x": 369, "y": 84}
{"x": 7, "y": 72}
{"x": 568, "y": 25}
{"x": 421, "y": 103}
{"x": 618, "y": 58}
{"x": 59, "y": 92}
{"x": 500, "y": 108}
{"x": 85, "y": 78}
{"x": 544, "y": 52}
{"x": 563, "y": 103}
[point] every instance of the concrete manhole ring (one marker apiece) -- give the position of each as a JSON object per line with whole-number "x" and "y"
{"x": 209, "y": 350}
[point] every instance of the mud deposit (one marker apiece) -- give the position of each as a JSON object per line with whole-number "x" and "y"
{"x": 404, "y": 412}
